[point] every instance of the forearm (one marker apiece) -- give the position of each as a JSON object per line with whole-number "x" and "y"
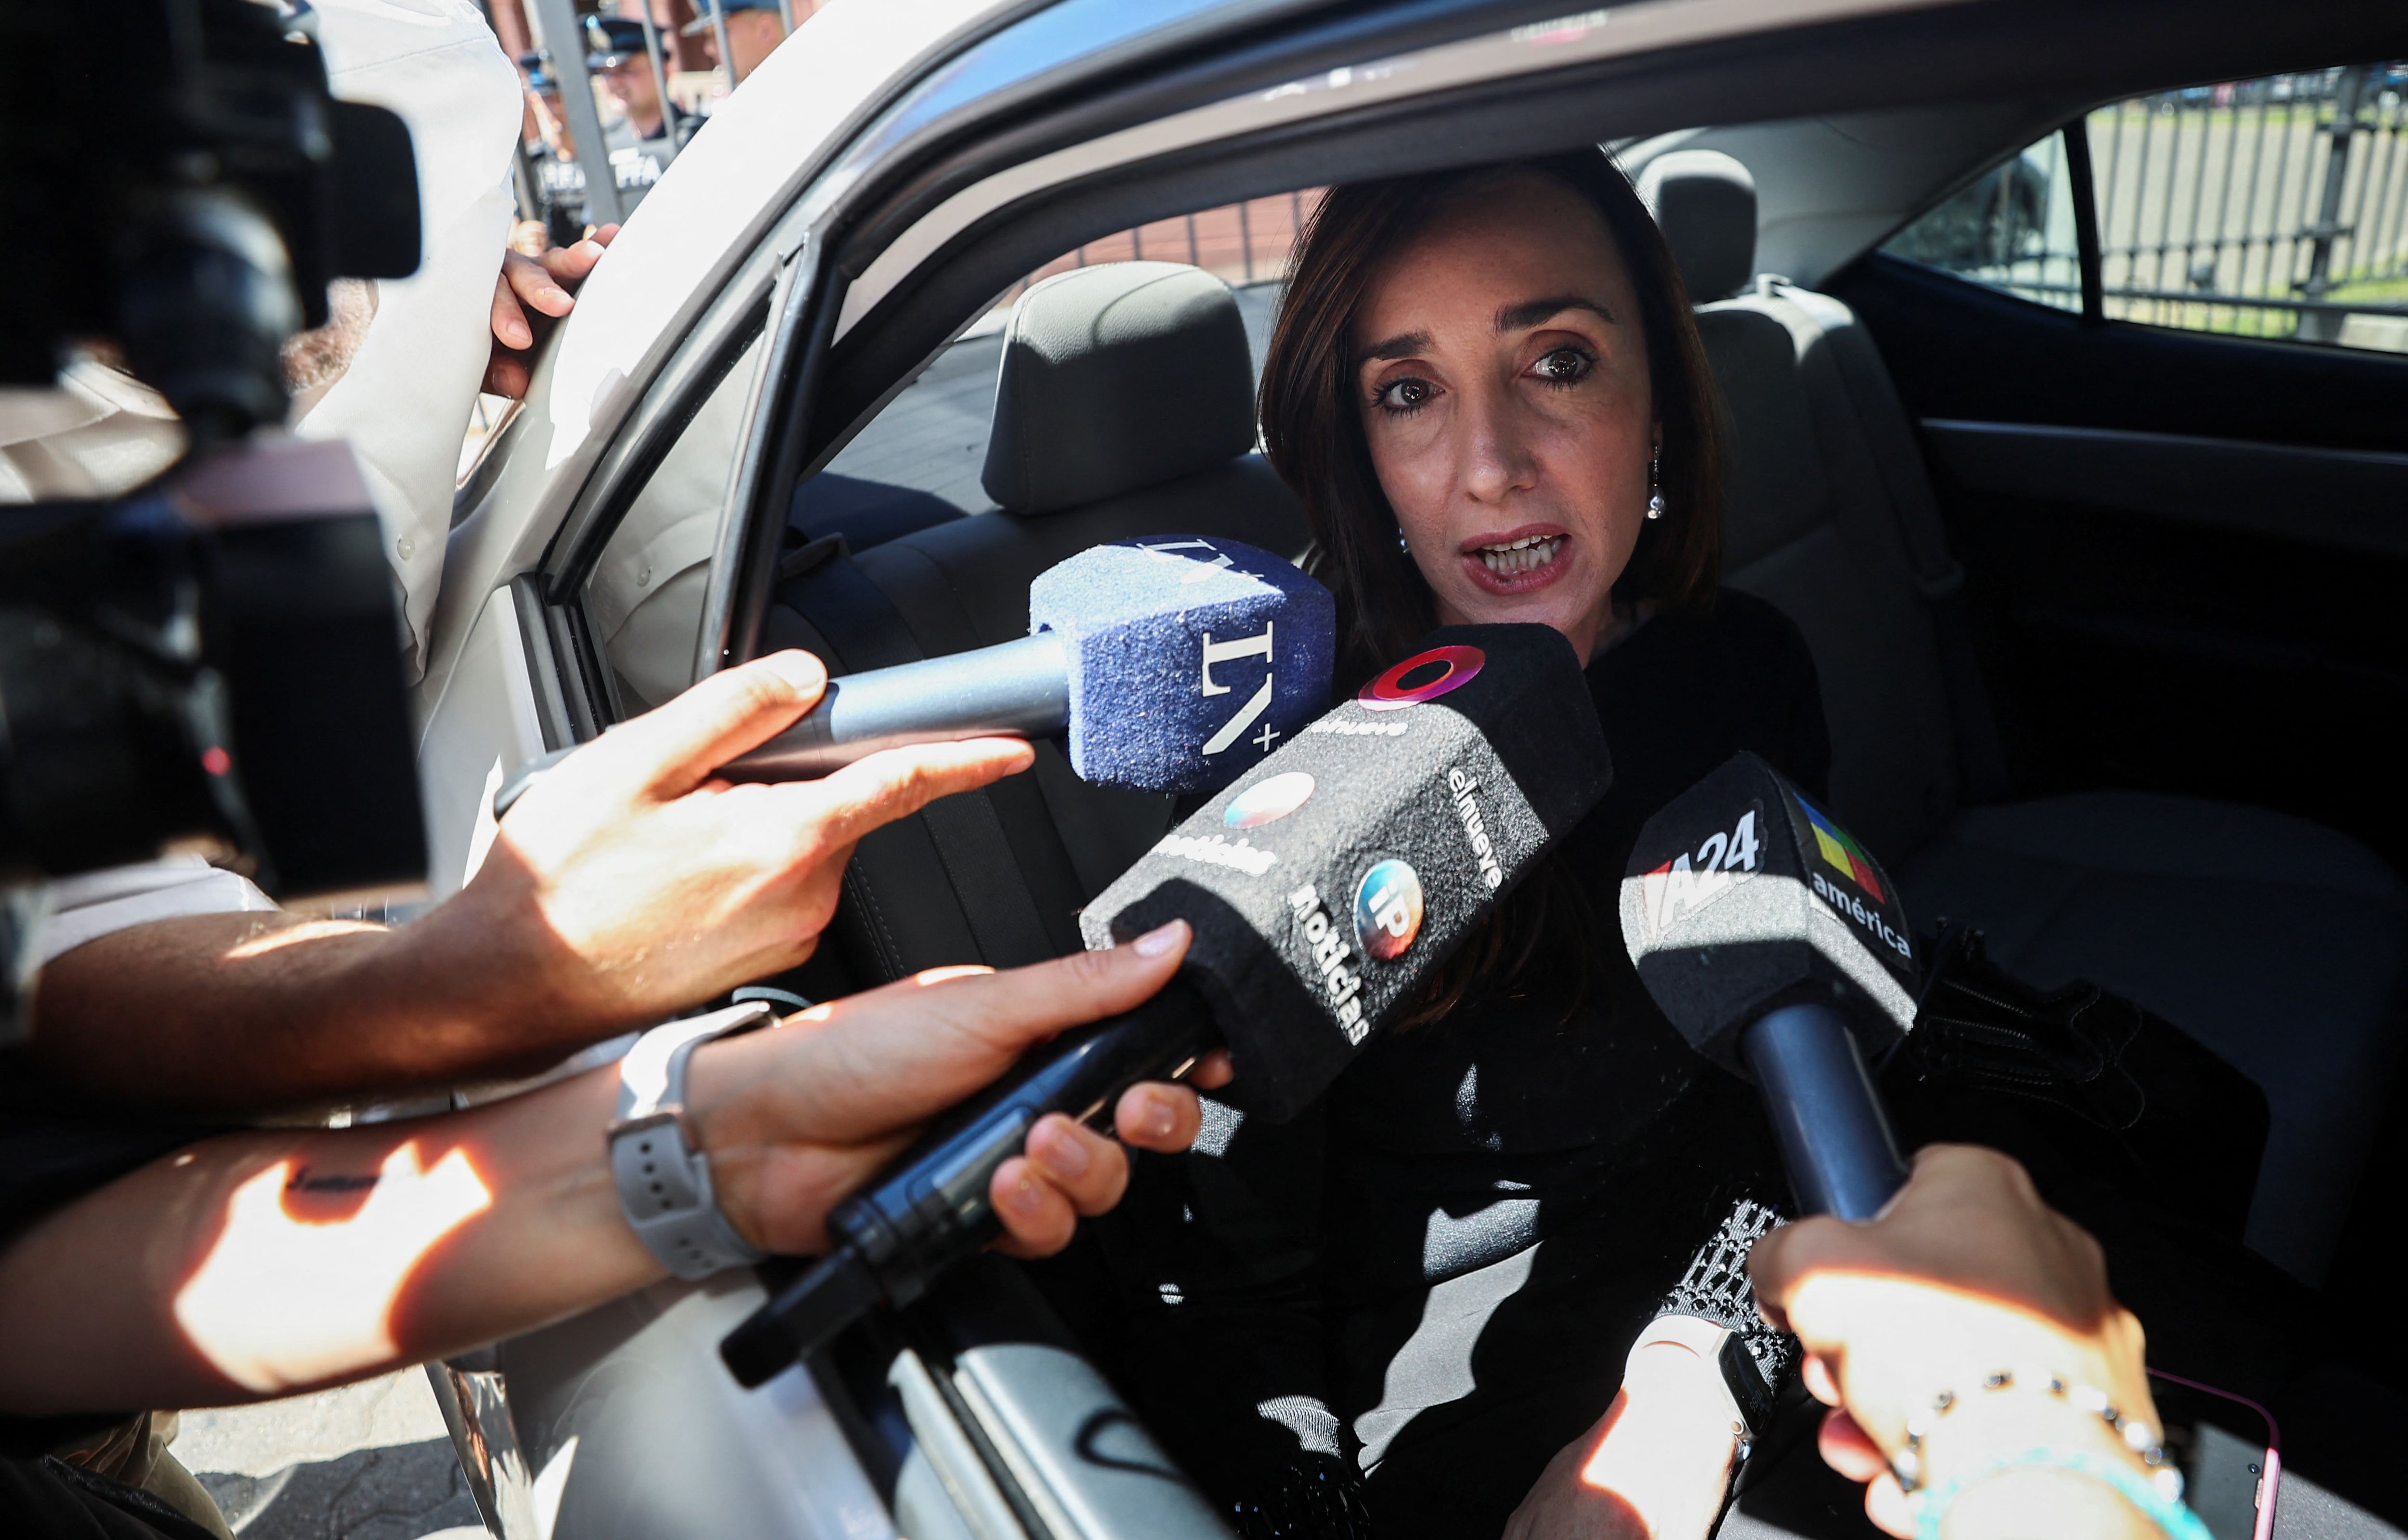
{"x": 240, "y": 1011}
{"x": 260, "y": 1264}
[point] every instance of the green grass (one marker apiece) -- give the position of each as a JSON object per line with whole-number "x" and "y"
{"x": 2380, "y": 290}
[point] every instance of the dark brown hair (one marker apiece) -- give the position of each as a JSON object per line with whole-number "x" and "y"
{"x": 1313, "y": 434}
{"x": 1312, "y": 428}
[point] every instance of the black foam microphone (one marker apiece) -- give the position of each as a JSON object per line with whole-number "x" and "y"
{"x": 1779, "y": 949}
{"x": 1323, "y": 888}
{"x": 1170, "y": 663}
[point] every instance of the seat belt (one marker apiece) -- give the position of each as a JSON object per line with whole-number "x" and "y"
{"x": 823, "y": 583}
{"x": 1863, "y": 381}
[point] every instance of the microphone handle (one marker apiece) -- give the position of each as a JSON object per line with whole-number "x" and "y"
{"x": 929, "y": 1208}
{"x": 1835, "y": 1138}
{"x": 1013, "y": 689}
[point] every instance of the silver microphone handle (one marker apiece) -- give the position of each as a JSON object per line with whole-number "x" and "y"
{"x": 1015, "y": 689}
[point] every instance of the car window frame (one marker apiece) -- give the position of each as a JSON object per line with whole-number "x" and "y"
{"x": 2089, "y": 244}
{"x": 938, "y": 136}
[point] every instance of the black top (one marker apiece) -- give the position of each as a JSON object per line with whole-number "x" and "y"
{"x": 1437, "y": 1272}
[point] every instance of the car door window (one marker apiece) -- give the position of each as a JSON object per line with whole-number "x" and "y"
{"x": 920, "y": 460}
{"x": 2275, "y": 207}
{"x": 2011, "y": 228}
{"x": 645, "y": 594}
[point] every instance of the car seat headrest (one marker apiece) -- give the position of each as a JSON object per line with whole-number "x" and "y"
{"x": 1118, "y": 377}
{"x": 1704, "y": 201}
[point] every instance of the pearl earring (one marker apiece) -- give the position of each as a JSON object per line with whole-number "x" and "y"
{"x": 1656, "y": 483}
{"x": 1402, "y": 549}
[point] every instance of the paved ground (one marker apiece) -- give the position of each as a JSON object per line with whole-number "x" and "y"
{"x": 367, "y": 1462}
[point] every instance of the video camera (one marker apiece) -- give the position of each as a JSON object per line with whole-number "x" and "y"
{"x": 215, "y": 656}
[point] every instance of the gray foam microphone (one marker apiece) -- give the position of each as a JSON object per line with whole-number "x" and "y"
{"x": 1779, "y": 950}
{"x": 1171, "y": 663}
{"x": 1326, "y": 884}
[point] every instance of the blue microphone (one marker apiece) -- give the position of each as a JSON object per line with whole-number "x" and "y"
{"x": 1170, "y": 663}
{"x": 1778, "y": 948}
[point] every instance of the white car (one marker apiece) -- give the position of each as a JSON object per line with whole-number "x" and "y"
{"x": 2080, "y": 457}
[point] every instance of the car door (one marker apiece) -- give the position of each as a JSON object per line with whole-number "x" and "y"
{"x": 2159, "y": 361}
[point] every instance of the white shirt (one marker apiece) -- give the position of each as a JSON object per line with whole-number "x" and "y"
{"x": 97, "y": 434}
{"x": 404, "y": 403}
{"x": 100, "y": 903}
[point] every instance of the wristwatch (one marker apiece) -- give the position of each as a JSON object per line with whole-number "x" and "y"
{"x": 664, "y": 1181}
{"x": 1713, "y": 1312}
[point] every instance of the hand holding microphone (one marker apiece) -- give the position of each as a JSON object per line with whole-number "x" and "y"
{"x": 634, "y": 883}
{"x": 796, "y": 1117}
{"x": 1321, "y": 890}
{"x": 1167, "y": 664}
{"x": 1965, "y": 1327}
{"x": 1967, "y": 1278}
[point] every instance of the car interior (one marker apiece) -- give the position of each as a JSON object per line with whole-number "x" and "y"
{"x": 2100, "y": 608}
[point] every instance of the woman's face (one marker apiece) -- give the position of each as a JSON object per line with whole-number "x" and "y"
{"x": 1502, "y": 383}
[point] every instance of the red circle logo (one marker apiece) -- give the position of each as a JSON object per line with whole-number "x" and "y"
{"x": 1424, "y": 676}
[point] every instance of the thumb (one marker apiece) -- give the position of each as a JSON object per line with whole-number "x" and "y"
{"x": 675, "y": 747}
{"x": 1781, "y": 1262}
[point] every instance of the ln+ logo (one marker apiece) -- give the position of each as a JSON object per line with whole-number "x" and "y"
{"x": 1221, "y": 651}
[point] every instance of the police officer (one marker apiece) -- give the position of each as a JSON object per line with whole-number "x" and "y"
{"x": 621, "y": 61}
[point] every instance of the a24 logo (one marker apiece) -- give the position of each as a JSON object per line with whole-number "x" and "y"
{"x": 1694, "y": 879}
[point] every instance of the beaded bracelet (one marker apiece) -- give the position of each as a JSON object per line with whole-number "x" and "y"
{"x": 2158, "y": 1496}
{"x": 2169, "y": 1515}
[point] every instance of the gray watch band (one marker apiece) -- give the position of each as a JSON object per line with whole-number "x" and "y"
{"x": 664, "y": 1181}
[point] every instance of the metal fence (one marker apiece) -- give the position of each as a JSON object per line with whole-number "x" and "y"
{"x": 1247, "y": 242}
{"x": 2275, "y": 207}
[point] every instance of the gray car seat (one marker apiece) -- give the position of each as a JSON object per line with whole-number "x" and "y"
{"x": 2275, "y": 940}
{"x": 1124, "y": 407}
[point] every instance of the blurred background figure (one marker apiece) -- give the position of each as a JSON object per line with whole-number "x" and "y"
{"x": 546, "y": 122}
{"x": 554, "y": 192}
{"x": 617, "y": 58}
{"x": 753, "y": 28}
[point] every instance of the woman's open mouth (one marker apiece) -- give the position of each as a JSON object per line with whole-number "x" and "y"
{"x": 1521, "y": 561}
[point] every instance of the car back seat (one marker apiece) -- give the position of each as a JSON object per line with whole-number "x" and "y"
{"x": 1124, "y": 407}
{"x": 2281, "y": 945}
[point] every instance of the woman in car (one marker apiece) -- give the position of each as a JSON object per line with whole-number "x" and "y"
{"x": 1487, "y": 389}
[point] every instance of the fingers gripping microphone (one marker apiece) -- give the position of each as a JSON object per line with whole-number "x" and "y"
{"x": 1323, "y": 888}
{"x": 1780, "y": 951}
{"x": 1170, "y": 664}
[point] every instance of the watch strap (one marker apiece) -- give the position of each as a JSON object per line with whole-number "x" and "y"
{"x": 1709, "y": 1341}
{"x": 664, "y": 1181}
{"x": 1743, "y": 1378}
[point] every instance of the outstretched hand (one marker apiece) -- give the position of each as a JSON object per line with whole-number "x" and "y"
{"x": 545, "y": 284}
{"x": 631, "y": 881}
{"x": 799, "y": 1116}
